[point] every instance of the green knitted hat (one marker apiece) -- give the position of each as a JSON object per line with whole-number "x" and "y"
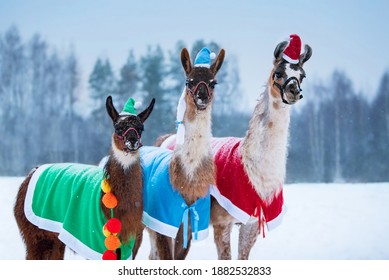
{"x": 130, "y": 107}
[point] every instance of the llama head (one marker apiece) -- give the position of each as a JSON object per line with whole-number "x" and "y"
{"x": 288, "y": 73}
{"x": 200, "y": 79}
{"x": 128, "y": 127}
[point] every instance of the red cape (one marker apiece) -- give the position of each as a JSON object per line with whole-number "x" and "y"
{"x": 233, "y": 190}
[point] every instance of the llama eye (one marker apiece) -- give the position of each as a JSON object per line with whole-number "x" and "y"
{"x": 212, "y": 83}
{"x": 278, "y": 75}
{"x": 189, "y": 83}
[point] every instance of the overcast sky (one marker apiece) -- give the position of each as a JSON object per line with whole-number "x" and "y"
{"x": 351, "y": 36}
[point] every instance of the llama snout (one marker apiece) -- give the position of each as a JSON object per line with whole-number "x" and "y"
{"x": 133, "y": 144}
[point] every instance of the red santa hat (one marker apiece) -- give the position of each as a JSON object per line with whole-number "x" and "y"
{"x": 292, "y": 51}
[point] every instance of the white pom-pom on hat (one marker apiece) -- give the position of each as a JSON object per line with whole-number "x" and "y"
{"x": 212, "y": 55}
{"x": 137, "y": 105}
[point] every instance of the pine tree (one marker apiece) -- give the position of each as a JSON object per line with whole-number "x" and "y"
{"x": 175, "y": 76}
{"x": 102, "y": 83}
{"x": 128, "y": 81}
{"x": 13, "y": 100}
{"x": 37, "y": 90}
{"x": 153, "y": 71}
{"x": 379, "y": 137}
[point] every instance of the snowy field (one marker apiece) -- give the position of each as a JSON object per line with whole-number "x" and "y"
{"x": 323, "y": 222}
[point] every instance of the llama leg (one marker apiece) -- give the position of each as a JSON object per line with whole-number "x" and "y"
{"x": 222, "y": 237}
{"x": 180, "y": 252}
{"x": 222, "y": 224}
{"x": 164, "y": 247}
{"x": 38, "y": 250}
{"x": 40, "y": 244}
{"x": 153, "y": 245}
{"x": 247, "y": 237}
{"x": 161, "y": 246}
{"x": 44, "y": 245}
{"x": 138, "y": 243}
{"x": 58, "y": 251}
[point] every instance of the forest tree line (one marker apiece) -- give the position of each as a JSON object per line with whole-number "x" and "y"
{"x": 336, "y": 136}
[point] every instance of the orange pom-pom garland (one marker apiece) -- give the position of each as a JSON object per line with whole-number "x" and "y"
{"x": 109, "y": 200}
{"x": 113, "y": 225}
{"x": 112, "y": 242}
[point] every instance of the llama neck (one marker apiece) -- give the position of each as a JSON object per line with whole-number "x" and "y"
{"x": 122, "y": 168}
{"x": 125, "y": 160}
{"x": 125, "y": 179}
{"x": 192, "y": 168}
{"x": 264, "y": 149}
{"x": 196, "y": 146}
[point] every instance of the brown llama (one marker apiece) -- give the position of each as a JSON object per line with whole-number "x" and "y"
{"x": 191, "y": 167}
{"x": 251, "y": 170}
{"x": 93, "y": 211}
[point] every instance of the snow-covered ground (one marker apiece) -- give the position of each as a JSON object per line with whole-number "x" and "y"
{"x": 323, "y": 222}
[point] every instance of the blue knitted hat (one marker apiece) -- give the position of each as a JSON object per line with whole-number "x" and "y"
{"x": 203, "y": 58}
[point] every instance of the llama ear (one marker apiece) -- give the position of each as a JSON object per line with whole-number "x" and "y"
{"x": 111, "y": 109}
{"x": 218, "y": 62}
{"x": 306, "y": 55}
{"x": 279, "y": 49}
{"x": 146, "y": 113}
{"x": 185, "y": 60}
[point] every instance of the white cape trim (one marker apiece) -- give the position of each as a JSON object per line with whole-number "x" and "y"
{"x": 231, "y": 208}
{"x": 169, "y": 230}
{"x": 242, "y": 216}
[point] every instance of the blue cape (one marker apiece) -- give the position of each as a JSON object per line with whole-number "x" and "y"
{"x": 164, "y": 207}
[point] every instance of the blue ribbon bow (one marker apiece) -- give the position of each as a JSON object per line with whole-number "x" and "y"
{"x": 185, "y": 219}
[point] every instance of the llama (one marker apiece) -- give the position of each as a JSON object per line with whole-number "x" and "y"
{"x": 261, "y": 154}
{"x": 251, "y": 170}
{"x": 95, "y": 212}
{"x": 191, "y": 166}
